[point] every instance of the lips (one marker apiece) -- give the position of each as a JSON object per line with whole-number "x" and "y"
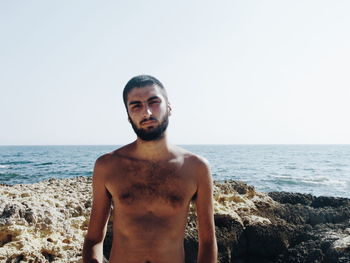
{"x": 148, "y": 122}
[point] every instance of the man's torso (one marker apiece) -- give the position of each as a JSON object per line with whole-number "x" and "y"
{"x": 151, "y": 201}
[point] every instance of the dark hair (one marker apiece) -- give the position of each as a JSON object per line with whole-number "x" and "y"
{"x": 140, "y": 82}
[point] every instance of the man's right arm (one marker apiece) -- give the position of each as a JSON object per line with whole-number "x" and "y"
{"x": 93, "y": 245}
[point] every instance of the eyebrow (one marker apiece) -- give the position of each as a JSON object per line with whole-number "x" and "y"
{"x": 153, "y": 97}
{"x": 134, "y": 102}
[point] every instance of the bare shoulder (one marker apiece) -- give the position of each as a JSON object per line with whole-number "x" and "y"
{"x": 195, "y": 161}
{"x": 105, "y": 160}
{"x": 109, "y": 160}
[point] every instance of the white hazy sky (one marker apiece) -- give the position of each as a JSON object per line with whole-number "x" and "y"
{"x": 237, "y": 72}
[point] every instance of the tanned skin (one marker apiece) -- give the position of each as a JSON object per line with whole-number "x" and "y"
{"x": 151, "y": 184}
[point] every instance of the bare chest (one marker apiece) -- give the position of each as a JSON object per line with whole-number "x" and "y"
{"x": 140, "y": 184}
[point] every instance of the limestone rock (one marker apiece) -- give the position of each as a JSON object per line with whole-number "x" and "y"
{"x": 44, "y": 222}
{"x": 47, "y": 222}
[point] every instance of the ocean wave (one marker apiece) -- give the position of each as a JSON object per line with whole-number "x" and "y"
{"x": 15, "y": 162}
{"x": 14, "y": 178}
{"x": 309, "y": 169}
{"x": 79, "y": 173}
{"x": 43, "y": 164}
{"x": 323, "y": 180}
{"x": 289, "y": 167}
{"x": 8, "y": 176}
{"x": 283, "y": 181}
{"x": 4, "y": 166}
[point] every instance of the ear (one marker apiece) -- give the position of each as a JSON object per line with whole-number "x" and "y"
{"x": 169, "y": 108}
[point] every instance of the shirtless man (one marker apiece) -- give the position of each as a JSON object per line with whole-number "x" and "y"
{"x": 150, "y": 183}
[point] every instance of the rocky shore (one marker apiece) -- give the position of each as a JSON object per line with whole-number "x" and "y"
{"x": 47, "y": 221}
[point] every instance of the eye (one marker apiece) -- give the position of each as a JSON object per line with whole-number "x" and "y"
{"x": 154, "y": 101}
{"x": 136, "y": 106}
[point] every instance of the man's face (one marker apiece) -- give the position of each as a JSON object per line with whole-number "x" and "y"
{"x": 148, "y": 112}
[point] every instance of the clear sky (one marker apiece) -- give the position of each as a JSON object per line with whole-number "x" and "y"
{"x": 237, "y": 72}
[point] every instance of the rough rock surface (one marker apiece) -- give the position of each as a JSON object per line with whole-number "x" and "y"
{"x": 277, "y": 227}
{"x": 47, "y": 221}
{"x": 44, "y": 222}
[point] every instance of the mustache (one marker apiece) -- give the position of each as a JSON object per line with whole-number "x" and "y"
{"x": 149, "y": 119}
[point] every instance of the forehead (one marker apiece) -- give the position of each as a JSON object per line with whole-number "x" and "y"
{"x": 144, "y": 93}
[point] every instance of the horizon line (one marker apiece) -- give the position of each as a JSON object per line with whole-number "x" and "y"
{"x": 186, "y": 144}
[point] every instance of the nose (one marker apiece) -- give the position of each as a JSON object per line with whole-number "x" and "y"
{"x": 147, "y": 112}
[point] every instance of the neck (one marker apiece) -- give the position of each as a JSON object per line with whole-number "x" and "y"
{"x": 153, "y": 150}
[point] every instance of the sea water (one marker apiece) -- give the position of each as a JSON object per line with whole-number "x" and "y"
{"x": 315, "y": 169}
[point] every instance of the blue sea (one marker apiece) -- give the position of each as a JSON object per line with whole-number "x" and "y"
{"x": 316, "y": 169}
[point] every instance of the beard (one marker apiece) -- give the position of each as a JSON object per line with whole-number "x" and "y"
{"x": 151, "y": 134}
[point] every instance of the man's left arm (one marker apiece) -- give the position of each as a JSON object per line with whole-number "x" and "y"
{"x": 207, "y": 251}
